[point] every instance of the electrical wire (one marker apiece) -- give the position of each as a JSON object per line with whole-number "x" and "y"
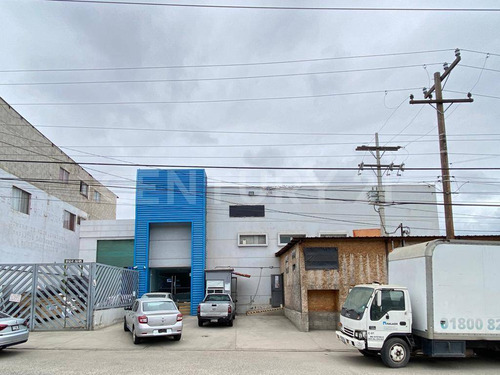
{"x": 239, "y": 167}
{"x": 276, "y": 62}
{"x": 257, "y": 7}
{"x": 210, "y": 79}
{"x": 270, "y": 98}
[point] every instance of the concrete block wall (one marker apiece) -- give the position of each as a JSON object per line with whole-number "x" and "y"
{"x": 39, "y": 236}
{"x": 31, "y": 148}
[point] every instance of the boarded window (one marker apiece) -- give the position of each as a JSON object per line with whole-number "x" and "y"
{"x": 323, "y": 300}
{"x": 247, "y": 211}
{"x": 321, "y": 258}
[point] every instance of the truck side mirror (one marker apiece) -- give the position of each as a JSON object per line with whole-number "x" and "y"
{"x": 379, "y": 298}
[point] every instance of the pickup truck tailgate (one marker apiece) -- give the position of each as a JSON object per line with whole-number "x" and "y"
{"x": 215, "y": 309}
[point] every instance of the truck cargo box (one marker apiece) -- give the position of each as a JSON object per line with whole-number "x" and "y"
{"x": 454, "y": 287}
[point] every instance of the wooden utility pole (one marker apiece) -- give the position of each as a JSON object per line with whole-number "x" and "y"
{"x": 380, "y": 199}
{"x": 443, "y": 146}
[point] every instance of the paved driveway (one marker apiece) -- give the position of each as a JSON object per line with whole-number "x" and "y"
{"x": 253, "y": 333}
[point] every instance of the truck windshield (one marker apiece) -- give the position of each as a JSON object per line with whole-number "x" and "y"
{"x": 217, "y": 298}
{"x": 356, "y": 302}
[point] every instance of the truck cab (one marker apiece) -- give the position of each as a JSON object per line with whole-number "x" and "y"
{"x": 378, "y": 319}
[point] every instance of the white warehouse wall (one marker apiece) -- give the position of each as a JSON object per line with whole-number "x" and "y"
{"x": 93, "y": 230}
{"x": 311, "y": 211}
{"x": 37, "y": 237}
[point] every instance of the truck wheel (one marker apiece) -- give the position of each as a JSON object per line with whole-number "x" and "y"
{"x": 230, "y": 323}
{"x": 125, "y": 325}
{"x": 395, "y": 353}
{"x": 200, "y": 323}
{"x": 177, "y": 337}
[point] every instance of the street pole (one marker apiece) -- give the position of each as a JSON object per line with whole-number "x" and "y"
{"x": 443, "y": 147}
{"x": 445, "y": 166}
{"x": 380, "y": 201}
{"x": 380, "y": 188}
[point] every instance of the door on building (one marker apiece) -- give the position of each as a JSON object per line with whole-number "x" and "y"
{"x": 277, "y": 298}
{"x": 173, "y": 280}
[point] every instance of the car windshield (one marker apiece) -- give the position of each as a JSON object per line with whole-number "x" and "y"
{"x": 356, "y": 302}
{"x": 2, "y": 315}
{"x": 217, "y": 298}
{"x": 158, "y": 306}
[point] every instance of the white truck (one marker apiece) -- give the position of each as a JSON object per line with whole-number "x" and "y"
{"x": 443, "y": 301}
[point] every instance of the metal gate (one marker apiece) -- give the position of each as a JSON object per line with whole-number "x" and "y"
{"x": 60, "y": 296}
{"x": 16, "y": 284}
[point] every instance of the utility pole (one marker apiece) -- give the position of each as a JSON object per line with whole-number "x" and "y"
{"x": 380, "y": 198}
{"x": 443, "y": 147}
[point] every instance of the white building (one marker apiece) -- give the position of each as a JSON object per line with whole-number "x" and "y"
{"x": 44, "y": 195}
{"x": 246, "y": 226}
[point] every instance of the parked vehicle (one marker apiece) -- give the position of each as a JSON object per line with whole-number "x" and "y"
{"x": 13, "y": 331}
{"x": 454, "y": 307}
{"x": 217, "y": 308}
{"x": 161, "y": 295}
{"x": 153, "y": 317}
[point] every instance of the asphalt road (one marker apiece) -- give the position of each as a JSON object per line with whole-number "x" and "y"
{"x": 68, "y": 362}
{"x": 255, "y": 345}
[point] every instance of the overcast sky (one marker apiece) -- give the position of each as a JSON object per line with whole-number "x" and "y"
{"x": 274, "y": 111}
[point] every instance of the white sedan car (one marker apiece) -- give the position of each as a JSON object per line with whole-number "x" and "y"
{"x": 12, "y": 331}
{"x": 153, "y": 317}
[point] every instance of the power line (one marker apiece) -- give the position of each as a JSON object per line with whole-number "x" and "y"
{"x": 475, "y": 94}
{"x": 368, "y": 92}
{"x": 214, "y": 78}
{"x": 257, "y": 7}
{"x": 246, "y": 132}
{"x": 142, "y": 156}
{"x": 239, "y": 167}
{"x": 276, "y": 62}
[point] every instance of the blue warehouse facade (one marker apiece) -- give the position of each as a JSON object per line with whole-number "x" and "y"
{"x": 171, "y": 205}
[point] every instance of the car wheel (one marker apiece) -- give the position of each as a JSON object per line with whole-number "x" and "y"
{"x": 136, "y": 340}
{"x": 125, "y": 325}
{"x": 177, "y": 337}
{"x": 230, "y": 323}
{"x": 395, "y": 353}
{"x": 200, "y": 323}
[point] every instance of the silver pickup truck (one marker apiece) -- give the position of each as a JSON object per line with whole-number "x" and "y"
{"x": 216, "y": 308}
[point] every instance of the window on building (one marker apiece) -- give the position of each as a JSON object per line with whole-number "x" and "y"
{"x": 247, "y": 211}
{"x": 333, "y": 234}
{"x": 286, "y": 238}
{"x": 21, "y": 200}
{"x": 321, "y": 258}
{"x": 63, "y": 175}
{"x": 252, "y": 239}
{"x": 97, "y": 196}
{"x": 69, "y": 220}
{"x": 84, "y": 189}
